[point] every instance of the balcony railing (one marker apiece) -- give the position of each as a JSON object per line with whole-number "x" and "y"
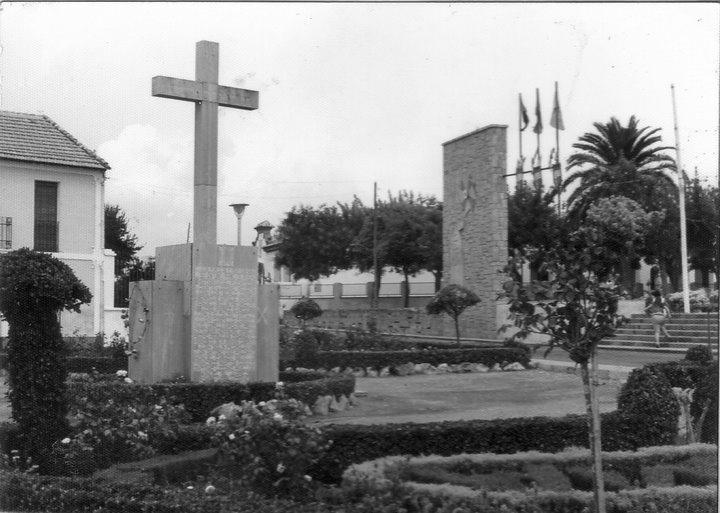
{"x": 5, "y": 232}
{"x": 46, "y": 236}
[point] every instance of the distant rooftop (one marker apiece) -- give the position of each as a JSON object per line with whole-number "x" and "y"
{"x": 37, "y": 138}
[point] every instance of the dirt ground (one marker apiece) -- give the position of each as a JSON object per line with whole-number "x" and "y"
{"x": 490, "y": 395}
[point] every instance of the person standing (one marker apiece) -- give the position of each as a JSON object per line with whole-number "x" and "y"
{"x": 659, "y": 312}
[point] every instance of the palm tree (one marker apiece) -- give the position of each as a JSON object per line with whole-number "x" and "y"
{"x": 616, "y": 161}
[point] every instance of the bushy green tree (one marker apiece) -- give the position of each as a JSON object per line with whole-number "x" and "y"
{"x": 316, "y": 242}
{"x": 34, "y": 288}
{"x": 120, "y": 239}
{"x": 452, "y": 300}
{"x": 306, "y": 309}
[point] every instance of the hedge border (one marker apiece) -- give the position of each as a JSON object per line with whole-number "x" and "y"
{"x": 201, "y": 398}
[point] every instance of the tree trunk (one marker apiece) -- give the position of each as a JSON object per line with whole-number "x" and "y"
{"x": 627, "y": 275}
{"x": 457, "y": 329}
{"x": 406, "y": 290}
{"x": 589, "y": 379}
{"x": 438, "y": 280}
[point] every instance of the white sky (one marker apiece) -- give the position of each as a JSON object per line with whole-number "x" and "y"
{"x": 349, "y": 93}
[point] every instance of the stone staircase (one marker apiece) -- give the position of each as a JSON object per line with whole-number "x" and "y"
{"x": 685, "y": 330}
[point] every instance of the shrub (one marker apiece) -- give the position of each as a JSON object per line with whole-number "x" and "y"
{"x": 199, "y": 399}
{"x": 101, "y": 364}
{"x": 647, "y": 393}
{"x": 34, "y": 289}
{"x": 306, "y": 348}
{"x": 104, "y": 433}
{"x": 357, "y": 443}
{"x": 452, "y": 300}
{"x": 305, "y": 309}
{"x": 700, "y": 353}
{"x": 706, "y": 395}
{"x": 269, "y": 447}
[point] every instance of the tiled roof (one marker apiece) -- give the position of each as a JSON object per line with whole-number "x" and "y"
{"x": 37, "y": 138}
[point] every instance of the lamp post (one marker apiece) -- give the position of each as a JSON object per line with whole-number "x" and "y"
{"x": 683, "y": 226}
{"x": 239, "y": 209}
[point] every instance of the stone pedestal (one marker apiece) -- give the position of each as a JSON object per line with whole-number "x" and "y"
{"x": 202, "y": 316}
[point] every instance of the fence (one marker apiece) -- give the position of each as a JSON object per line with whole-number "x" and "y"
{"x": 353, "y": 290}
{"x": 122, "y": 284}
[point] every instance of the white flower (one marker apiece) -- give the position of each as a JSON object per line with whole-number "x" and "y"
{"x": 280, "y": 468}
{"x": 231, "y": 436}
{"x": 209, "y": 489}
{"x": 277, "y": 417}
{"x": 121, "y": 373}
{"x": 279, "y": 385}
{"x": 142, "y": 435}
{"x": 261, "y": 403}
{"x": 65, "y": 441}
{"x": 210, "y": 421}
{"x": 307, "y": 478}
{"x": 158, "y": 407}
{"x": 221, "y": 418}
{"x": 128, "y": 380}
{"x": 190, "y": 487}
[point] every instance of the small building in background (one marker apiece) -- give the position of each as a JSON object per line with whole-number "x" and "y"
{"x": 52, "y": 200}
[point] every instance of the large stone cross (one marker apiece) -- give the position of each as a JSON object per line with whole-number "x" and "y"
{"x": 207, "y": 95}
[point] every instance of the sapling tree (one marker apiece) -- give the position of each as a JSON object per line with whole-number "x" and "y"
{"x": 34, "y": 289}
{"x": 305, "y": 310}
{"x": 452, "y": 300}
{"x": 575, "y": 309}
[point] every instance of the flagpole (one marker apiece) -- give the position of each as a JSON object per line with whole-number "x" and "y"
{"x": 557, "y": 151}
{"x": 520, "y": 122}
{"x": 683, "y": 227}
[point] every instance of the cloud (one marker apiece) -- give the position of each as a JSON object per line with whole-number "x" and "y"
{"x": 151, "y": 180}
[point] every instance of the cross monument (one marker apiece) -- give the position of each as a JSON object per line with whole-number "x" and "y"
{"x": 207, "y": 95}
{"x": 205, "y": 316}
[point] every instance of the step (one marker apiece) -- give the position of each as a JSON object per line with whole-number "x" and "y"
{"x": 673, "y": 338}
{"x": 639, "y": 344}
{"x": 651, "y": 349}
{"x": 713, "y": 334}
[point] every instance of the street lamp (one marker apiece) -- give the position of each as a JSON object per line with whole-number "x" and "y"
{"x": 239, "y": 209}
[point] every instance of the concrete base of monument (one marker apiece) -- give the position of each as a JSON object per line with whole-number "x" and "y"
{"x": 205, "y": 318}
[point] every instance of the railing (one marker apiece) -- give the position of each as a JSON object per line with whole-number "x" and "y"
{"x": 5, "y": 232}
{"x": 347, "y": 290}
{"x": 46, "y": 236}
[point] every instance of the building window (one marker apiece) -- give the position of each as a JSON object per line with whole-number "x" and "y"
{"x": 5, "y": 232}
{"x": 46, "y": 222}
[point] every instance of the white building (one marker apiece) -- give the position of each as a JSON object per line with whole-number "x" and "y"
{"x": 52, "y": 200}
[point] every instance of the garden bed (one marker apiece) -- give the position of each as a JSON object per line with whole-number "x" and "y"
{"x": 668, "y": 476}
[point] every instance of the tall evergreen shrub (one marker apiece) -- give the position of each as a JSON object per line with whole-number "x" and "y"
{"x": 34, "y": 289}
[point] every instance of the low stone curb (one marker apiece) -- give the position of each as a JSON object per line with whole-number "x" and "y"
{"x": 604, "y": 371}
{"x": 409, "y": 369}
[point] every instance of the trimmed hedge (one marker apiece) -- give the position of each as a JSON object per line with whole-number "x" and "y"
{"x": 380, "y": 359}
{"x": 103, "y": 364}
{"x": 358, "y": 443}
{"x": 200, "y": 398}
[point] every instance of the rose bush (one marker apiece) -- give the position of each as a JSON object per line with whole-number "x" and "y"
{"x": 268, "y": 446}
{"x": 108, "y": 433}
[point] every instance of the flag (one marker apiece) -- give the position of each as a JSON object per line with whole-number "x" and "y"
{"x": 556, "y": 120}
{"x": 538, "y": 125}
{"x": 523, "y": 114}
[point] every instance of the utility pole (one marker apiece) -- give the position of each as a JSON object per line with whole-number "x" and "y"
{"x": 683, "y": 222}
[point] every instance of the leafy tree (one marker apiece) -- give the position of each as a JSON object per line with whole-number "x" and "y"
{"x": 452, "y": 300}
{"x": 703, "y": 223}
{"x": 409, "y": 237}
{"x": 576, "y": 309}
{"x": 616, "y": 161}
{"x": 621, "y": 224}
{"x": 533, "y": 224}
{"x": 119, "y": 238}
{"x": 661, "y": 245}
{"x": 316, "y": 241}
{"x": 34, "y": 288}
